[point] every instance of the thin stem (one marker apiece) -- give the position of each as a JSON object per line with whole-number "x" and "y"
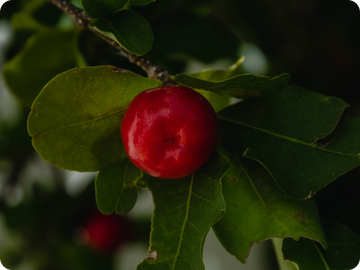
{"x": 82, "y": 20}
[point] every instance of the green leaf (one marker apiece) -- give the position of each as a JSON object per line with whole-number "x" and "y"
{"x": 24, "y": 21}
{"x": 46, "y": 54}
{"x": 75, "y": 121}
{"x": 241, "y": 86}
{"x": 36, "y": 13}
{"x": 216, "y": 75}
{"x": 343, "y": 252}
{"x": 100, "y": 8}
{"x": 115, "y": 188}
{"x": 257, "y": 210}
{"x": 129, "y": 29}
{"x": 140, "y": 2}
{"x": 185, "y": 209}
{"x": 281, "y": 133}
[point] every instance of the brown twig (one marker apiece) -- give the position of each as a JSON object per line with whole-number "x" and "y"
{"x": 82, "y": 20}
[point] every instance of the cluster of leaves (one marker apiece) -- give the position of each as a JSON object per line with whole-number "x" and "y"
{"x": 259, "y": 183}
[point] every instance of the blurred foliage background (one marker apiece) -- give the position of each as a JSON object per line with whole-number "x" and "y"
{"x": 47, "y": 215}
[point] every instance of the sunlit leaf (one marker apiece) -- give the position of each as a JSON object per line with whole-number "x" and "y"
{"x": 115, "y": 188}
{"x": 128, "y": 28}
{"x": 75, "y": 121}
{"x": 257, "y": 210}
{"x": 240, "y": 86}
{"x": 281, "y": 133}
{"x": 343, "y": 252}
{"x": 185, "y": 209}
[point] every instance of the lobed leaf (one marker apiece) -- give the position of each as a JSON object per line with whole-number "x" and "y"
{"x": 100, "y": 8}
{"x": 115, "y": 187}
{"x": 257, "y": 210}
{"x": 185, "y": 210}
{"x": 75, "y": 121}
{"x": 46, "y": 53}
{"x": 240, "y": 86}
{"x": 128, "y": 28}
{"x": 281, "y": 133}
{"x": 343, "y": 252}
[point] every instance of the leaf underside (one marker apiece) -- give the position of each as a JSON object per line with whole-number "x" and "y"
{"x": 241, "y": 86}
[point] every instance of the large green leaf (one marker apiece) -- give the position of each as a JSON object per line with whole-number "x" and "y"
{"x": 46, "y": 54}
{"x": 75, "y": 121}
{"x": 343, "y": 252}
{"x": 281, "y": 133}
{"x": 115, "y": 188}
{"x": 185, "y": 209}
{"x": 129, "y": 29}
{"x": 240, "y": 86}
{"x": 100, "y": 8}
{"x": 257, "y": 210}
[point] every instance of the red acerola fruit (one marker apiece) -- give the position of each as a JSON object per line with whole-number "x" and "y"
{"x": 169, "y": 131}
{"x": 106, "y": 233}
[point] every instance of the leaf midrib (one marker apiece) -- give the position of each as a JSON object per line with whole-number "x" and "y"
{"x": 284, "y": 137}
{"x": 185, "y": 220}
{"x": 81, "y": 123}
{"x": 321, "y": 256}
{"x": 260, "y": 196}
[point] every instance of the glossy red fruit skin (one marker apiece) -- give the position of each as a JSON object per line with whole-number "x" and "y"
{"x": 169, "y": 131}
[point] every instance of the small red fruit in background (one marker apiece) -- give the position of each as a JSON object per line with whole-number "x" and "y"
{"x": 170, "y": 131}
{"x": 106, "y": 233}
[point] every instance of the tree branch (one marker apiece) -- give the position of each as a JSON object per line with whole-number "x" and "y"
{"x": 82, "y": 20}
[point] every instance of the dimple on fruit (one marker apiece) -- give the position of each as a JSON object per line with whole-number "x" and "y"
{"x": 169, "y": 131}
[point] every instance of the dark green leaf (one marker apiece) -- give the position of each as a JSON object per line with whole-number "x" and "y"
{"x": 185, "y": 209}
{"x": 257, "y": 210}
{"x": 281, "y": 133}
{"x": 129, "y": 29}
{"x": 343, "y": 252}
{"x": 241, "y": 86}
{"x": 75, "y": 121}
{"x": 140, "y": 2}
{"x": 46, "y": 54}
{"x": 100, "y": 8}
{"x": 115, "y": 188}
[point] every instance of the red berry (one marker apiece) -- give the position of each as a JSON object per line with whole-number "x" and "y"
{"x": 107, "y": 232}
{"x": 169, "y": 131}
